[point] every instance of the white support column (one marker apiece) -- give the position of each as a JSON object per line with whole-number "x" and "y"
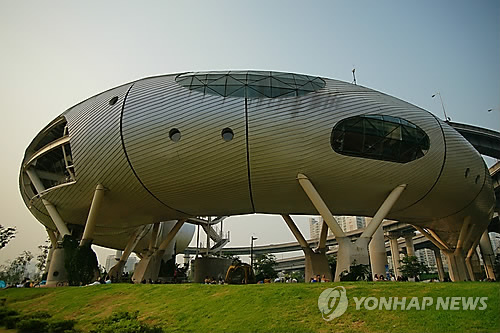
{"x": 149, "y": 267}
{"x": 323, "y": 236}
{"x": 52, "y": 237}
{"x": 460, "y": 266}
{"x": 487, "y": 254}
{"x": 295, "y": 231}
{"x": 320, "y": 205}
{"x": 382, "y": 212}
{"x": 88, "y": 234}
{"x": 171, "y": 234}
{"x": 53, "y": 213}
{"x": 117, "y": 269}
{"x": 470, "y": 263}
{"x": 56, "y": 218}
{"x": 410, "y": 249}
{"x": 154, "y": 237}
{"x": 348, "y": 252}
{"x": 393, "y": 238}
{"x": 315, "y": 263}
{"x": 439, "y": 263}
{"x": 35, "y": 180}
{"x": 378, "y": 254}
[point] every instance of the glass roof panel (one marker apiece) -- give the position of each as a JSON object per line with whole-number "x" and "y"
{"x": 251, "y": 84}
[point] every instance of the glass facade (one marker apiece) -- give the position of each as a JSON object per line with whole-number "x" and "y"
{"x": 251, "y": 84}
{"x": 379, "y": 137}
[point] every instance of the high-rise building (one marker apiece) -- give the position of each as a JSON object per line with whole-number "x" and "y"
{"x": 495, "y": 242}
{"x": 315, "y": 227}
{"x": 347, "y": 223}
{"x": 427, "y": 257}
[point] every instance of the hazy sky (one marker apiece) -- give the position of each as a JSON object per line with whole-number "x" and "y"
{"x": 55, "y": 54}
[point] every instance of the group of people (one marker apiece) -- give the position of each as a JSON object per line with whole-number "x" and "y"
{"x": 319, "y": 278}
{"x": 391, "y": 277}
{"x": 101, "y": 280}
{"x": 212, "y": 280}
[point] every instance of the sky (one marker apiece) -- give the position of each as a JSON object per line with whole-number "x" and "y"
{"x": 54, "y": 54}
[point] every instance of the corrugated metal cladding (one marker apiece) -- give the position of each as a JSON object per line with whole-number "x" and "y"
{"x": 464, "y": 169}
{"x": 127, "y": 147}
{"x": 94, "y": 128}
{"x": 292, "y": 135}
{"x": 201, "y": 174}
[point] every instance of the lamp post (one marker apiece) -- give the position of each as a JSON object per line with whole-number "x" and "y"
{"x": 442, "y": 104}
{"x": 251, "y": 250}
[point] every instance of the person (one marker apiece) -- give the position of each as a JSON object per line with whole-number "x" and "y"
{"x": 375, "y": 277}
{"x": 95, "y": 283}
{"x": 324, "y": 279}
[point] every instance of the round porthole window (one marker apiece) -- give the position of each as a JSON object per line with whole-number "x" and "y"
{"x": 174, "y": 135}
{"x": 113, "y": 100}
{"x": 227, "y": 134}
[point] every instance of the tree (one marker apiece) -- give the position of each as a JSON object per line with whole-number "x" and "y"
{"x": 357, "y": 272}
{"x": 14, "y": 272}
{"x": 80, "y": 262}
{"x": 264, "y": 267}
{"x": 496, "y": 267}
{"x": 6, "y": 235}
{"x": 332, "y": 262}
{"x": 42, "y": 256}
{"x": 411, "y": 267}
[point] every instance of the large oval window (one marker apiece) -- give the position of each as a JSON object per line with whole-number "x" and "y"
{"x": 380, "y": 137}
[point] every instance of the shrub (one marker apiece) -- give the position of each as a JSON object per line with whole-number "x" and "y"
{"x": 124, "y": 322}
{"x": 61, "y": 326}
{"x": 5, "y": 313}
{"x": 32, "y": 325}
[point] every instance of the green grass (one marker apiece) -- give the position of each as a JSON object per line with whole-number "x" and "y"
{"x": 262, "y": 308}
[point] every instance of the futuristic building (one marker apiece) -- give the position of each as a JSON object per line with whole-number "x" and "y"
{"x": 176, "y": 147}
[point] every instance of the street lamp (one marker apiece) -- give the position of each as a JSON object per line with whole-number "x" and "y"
{"x": 446, "y": 118}
{"x": 251, "y": 250}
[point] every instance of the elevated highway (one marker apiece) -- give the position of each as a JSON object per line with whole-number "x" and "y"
{"x": 486, "y": 141}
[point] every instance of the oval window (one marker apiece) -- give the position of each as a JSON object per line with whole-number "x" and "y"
{"x": 227, "y": 134}
{"x": 174, "y": 135}
{"x": 379, "y": 137}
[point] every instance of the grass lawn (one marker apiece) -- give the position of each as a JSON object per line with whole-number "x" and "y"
{"x": 263, "y": 308}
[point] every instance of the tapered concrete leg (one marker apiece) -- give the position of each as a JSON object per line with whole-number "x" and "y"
{"x": 487, "y": 254}
{"x": 149, "y": 266}
{"x": 116, "y": 271}
{"x": 456, "y": 265}
{"x": 410, "y": 249}
{"x": 393, "y": 238}
{"x": 439, "y": 263}
{"x": 57, "y": 271}
{"x": 349, "y": 253}
{"x": 378, "y": 254}
{"x": 475, "y": 271}
{"x": 316, "y": 264}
